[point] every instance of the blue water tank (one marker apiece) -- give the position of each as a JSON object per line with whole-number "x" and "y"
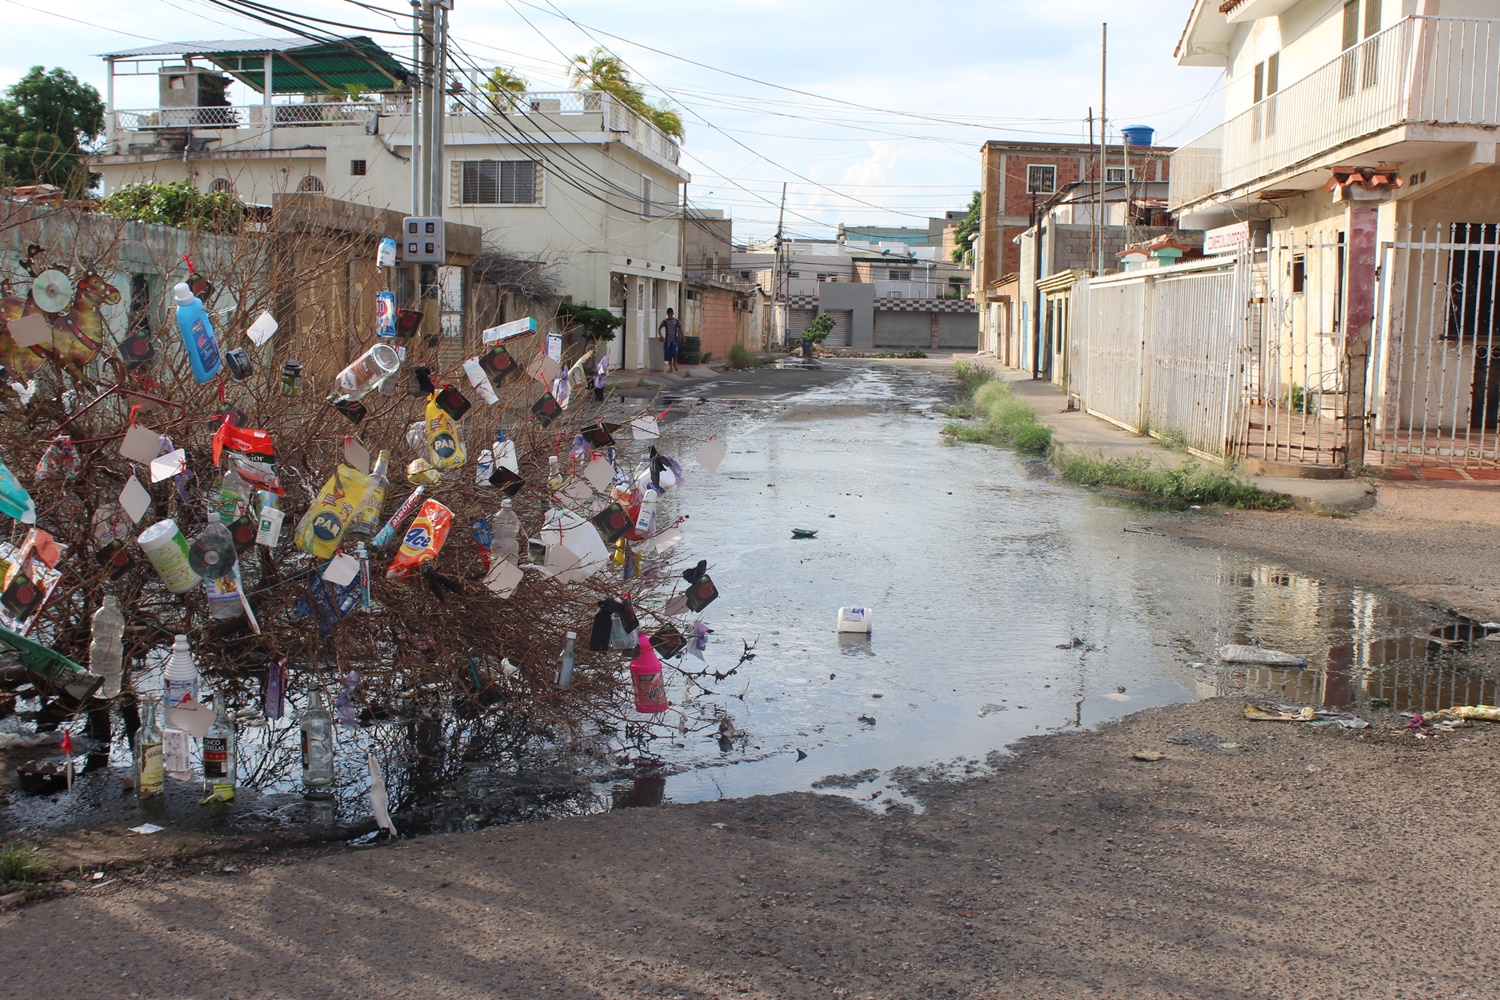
{"x": 1138, "y": 135}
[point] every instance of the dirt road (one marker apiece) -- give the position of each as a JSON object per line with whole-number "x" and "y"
{"x": 1303, "y": 863}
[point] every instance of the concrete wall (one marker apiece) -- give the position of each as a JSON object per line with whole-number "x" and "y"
{"x": 859, "y": 300}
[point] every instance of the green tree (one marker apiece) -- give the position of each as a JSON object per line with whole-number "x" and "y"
{"x": 596, "y": 324}
{"x": 502, "y": 87}
{"x": 176, "y": 204}
{"x": 602, "y": 71}
{"x": 48, "y": 121}
{"x": 965, "y": 231}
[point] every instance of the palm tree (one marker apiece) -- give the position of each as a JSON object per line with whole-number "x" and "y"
{"x": 602, "y": 71}
{"x": 502, "y": 87}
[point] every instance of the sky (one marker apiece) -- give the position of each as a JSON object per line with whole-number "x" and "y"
{"x": 896, "y": 97}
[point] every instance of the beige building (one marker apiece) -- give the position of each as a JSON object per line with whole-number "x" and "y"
{"x": 573, "y": 178}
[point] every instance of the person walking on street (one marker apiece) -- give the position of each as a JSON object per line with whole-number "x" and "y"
{"x": 671, "y": 336}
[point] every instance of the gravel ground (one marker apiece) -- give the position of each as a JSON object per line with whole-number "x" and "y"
{"x": 1299, "y": 863}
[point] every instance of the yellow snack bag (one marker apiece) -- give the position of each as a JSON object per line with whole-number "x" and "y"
{"x": 445, "y": 445}
{"x": 323, "y": 526}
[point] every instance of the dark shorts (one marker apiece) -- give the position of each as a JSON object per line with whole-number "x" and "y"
{"x": 669, "y": 350}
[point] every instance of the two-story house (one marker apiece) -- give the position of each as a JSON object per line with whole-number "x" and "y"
{"x": 1359, "y": 148}
{"x": 571, "y": 178}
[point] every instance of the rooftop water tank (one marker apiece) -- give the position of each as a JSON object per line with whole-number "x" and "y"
{"x": 1138, "y": 135}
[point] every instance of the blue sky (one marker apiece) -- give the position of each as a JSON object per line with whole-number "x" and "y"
{"x": 931, "y": 81}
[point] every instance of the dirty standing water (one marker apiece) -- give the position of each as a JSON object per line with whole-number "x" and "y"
{"x": 1005, "y": 603}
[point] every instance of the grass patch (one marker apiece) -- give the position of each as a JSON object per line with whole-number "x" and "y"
{"x": 911, "y": 352}
{"x": 20, "y": 868}
{"x": 1174, "y": 440}
{"x": 740, "y": 357}
{"x": 971, "y": 375}
{"x": 1190, "y": 483}
{"x": 1002, "y": 417}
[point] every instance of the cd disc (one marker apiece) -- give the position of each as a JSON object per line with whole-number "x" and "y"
{"x": 52, "y": 291}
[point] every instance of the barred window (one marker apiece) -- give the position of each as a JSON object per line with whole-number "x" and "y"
{"x": 498, "y": 182}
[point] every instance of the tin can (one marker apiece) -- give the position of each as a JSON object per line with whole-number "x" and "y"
{"x": 386, "y": 255}
{"x": 239, "y": 363}
{"x": 291, "y": 378}
{"x": 385, "y": 314}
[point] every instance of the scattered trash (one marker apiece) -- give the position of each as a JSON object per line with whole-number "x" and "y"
{"x": 1148, "y": 755}
{"x": 804, "y": 533}
{"x": 855, "y": 620}
{"x": 1292, "y": 713}
{"x": 1263, "y": 657}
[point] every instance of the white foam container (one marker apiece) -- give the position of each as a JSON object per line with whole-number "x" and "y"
{"x": 854, "y": 619}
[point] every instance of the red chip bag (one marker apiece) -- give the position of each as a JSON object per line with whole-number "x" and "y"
{"x": 251, "y": 454}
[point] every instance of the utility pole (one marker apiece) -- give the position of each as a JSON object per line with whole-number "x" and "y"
{"x": 779, "y": 298}
{"x": 1103, "y": 127}
{"x": 416, "y": 108}
{"x": 427, "y": 151}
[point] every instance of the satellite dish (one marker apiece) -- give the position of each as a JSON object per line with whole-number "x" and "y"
{"x": 52, "y": 291}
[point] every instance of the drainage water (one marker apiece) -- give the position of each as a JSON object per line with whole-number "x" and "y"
{"x": 1005, "y": 603}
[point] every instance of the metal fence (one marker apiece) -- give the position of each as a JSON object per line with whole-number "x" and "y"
{"x": 1164, "y": 351}
{"x": 1435, "y": 362}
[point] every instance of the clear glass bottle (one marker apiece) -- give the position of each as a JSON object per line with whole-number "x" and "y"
{"x": 564, "y": 677}
{"x": 219, "y": 751}
{"x": 366, "y": 520}
{"x": 150, "y": 776}
{"x": 317, "y": 744}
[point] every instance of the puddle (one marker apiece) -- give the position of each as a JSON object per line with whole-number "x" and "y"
{"x": 1005, "y": 603}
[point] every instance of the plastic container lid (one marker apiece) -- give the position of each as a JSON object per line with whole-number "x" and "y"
{"x": 182, "y": 293}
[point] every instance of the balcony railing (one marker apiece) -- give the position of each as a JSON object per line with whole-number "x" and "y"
{"x": 1438, "y": 70}
{"x": 533, "y": 107}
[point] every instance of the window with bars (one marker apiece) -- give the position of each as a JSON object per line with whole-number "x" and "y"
{"x": 357, "y": 168}
{"x": 1116, "y": 175}
{"x": 1472, "y": 282}
{"x": 1041, "y": 178}
{"x": 499, "y": 182}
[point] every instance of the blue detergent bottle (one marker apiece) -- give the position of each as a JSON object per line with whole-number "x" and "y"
{"x": 197, "y": 333}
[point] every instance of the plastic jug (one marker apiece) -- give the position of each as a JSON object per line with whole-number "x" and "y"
{"x": 197, "y": 333}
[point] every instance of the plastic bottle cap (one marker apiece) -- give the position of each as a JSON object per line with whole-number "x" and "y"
{"x": 572, "y": 635}
{"x": 182, "y": 293}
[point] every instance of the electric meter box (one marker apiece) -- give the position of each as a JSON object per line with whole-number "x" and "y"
{"x": 423, "y": 240}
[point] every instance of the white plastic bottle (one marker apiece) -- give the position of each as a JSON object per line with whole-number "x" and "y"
{"x": 107, "y": 645}
{"x": 179, "y": 676}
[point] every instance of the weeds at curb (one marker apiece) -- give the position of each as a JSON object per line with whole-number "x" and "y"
{"x": 1189, "y": 483}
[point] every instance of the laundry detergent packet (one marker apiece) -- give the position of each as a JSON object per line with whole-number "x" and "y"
{"x": 422, "y": 541}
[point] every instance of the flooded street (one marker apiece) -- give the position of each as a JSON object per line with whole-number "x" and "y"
{"x": 1005, "y": 603}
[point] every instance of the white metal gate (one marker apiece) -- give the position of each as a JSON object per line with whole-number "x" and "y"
{"x": 1297, "y": 381}
{"x": 1164, "y": 351}
{"x": 1435, "y": 363}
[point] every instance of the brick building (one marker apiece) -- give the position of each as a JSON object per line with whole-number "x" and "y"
{"x": 1013, "y": 171}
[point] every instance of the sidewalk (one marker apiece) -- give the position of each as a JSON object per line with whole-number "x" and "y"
{"x": 1076, "y": 429}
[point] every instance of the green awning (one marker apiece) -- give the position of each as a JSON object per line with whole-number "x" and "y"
{"x": 319, "y": 68}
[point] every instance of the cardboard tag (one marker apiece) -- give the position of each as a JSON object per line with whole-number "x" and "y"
{"x": 140, "y": 444}
{"x": 544, "y": 370}
{"x": 260, "y": 331}
{"x": 578, "y": 489}
{"x": 341, "y": 570}
{"x": 110, "y": 523}
{"x": 135, "y": 499}
{"x": 667, "y": 539}
{"x": 599, "y": 473}
{"x": 711, "y": 455}
{"x": 268, "y": 532}
{"x": 503, "y": 578}
{"x": 29, "y": 331}
{"x": 644, "y": 428}
{"x": 192, "y": 718}
{"x": 554, "y": 346}
{"x": 356, "y": 455}
{"x": 168, "y": 465}
{"x": 676, "y": 606}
